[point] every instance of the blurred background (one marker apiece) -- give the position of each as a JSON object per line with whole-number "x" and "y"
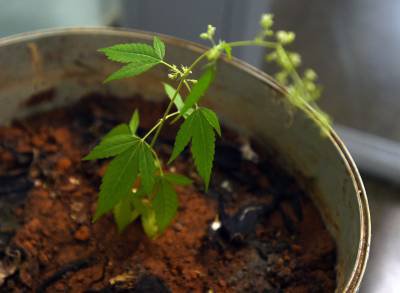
{"x": 352, "y": 44}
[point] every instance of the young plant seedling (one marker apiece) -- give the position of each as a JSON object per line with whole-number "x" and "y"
{"x": 135, "y": 183}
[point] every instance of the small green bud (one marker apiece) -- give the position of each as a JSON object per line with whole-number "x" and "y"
{"x": 267, "y": 20}
{"x": 271, "y": 56}
{"x": 282, "y": 77}
{"x": 310, "y": 74}
{"x": 210, "y": 31}
{"x": 214, "y": 53}
{"x": 285, "y": 37}
{"x": 204, "y": 36}
{"x": 310, "y": 86}
{"x": 295, "y": 58}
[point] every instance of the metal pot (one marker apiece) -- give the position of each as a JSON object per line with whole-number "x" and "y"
{"x": 65, "y": 61}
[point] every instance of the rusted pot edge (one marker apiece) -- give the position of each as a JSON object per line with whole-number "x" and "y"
{"x": 365, "y": 234}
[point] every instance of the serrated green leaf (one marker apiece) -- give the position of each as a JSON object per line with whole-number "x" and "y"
{"x": 127, "y": 53}
{"x": 182, "y": 137}
{"x": 118, "y": 180}
{"x": 165, "y": 204}
{"x": 117, "y": 130}
{"x": 177, "y": 179}
{"x": 147, "y": 166}
{"x": 132, "y": 69}
{"x": 200, "y": 131}
{"x": 212, "y": 118}
{"x": 203, "y": 146}
{"x": 124, "y": 214}
{"x": 170, "y": 91}
{"x": 111, "y": 146}
{"x": 199, "y": 89}
{"x": 134, "y": 122}
{"x": 159, "y": 47}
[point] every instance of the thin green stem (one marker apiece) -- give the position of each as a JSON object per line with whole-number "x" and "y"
{"x": 158, "y": 124}
{"x": 187, "y": 85}
{"x": 168, "y": 65}
{"x": 181, "y": 83}
{"x": 253, "y": 43}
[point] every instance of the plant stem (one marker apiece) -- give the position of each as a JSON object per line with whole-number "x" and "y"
{"x": 160, "y": 124}
{"x": 183, "y": 81}
{"x": 253, "y": 43}
{"x": 168, "y": 65}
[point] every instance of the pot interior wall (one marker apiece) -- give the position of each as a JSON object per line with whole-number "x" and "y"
{"x": 66, "y": 63}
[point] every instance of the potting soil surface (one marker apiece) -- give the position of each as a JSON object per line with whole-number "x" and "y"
{"x": 272, "y": 238}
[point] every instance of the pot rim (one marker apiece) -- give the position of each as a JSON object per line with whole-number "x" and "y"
{"x": 354, "y": 281}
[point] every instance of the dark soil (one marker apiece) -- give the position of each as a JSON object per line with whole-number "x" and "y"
{"x": 272, "y": 238}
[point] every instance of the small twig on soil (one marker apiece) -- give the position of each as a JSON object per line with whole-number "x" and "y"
{"x": 71, "y": 267}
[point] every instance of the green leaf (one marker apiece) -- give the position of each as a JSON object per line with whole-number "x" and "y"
{"x": 123, "y": 214}
{"x": 127, "y": 53}
{"x": 228, "y": 50}
{"x": 177, "y": 179}
{"x": 136, "y": 200}
{"x": 149, "y": 223}
{"x": 134, "y": 122}
{"x": 147, "y": 166}
{"x": 165, "y": 204}
{"x": 198, "y": 128}
{"x": 182, "y": 137}
{"x": 178, "y": 102}
{"x": 112, "y": 145}
{"x": 203, "y": 146}
{"x": 170, "y": 91}
{"x": 199, "y": 89}
{"x": 118, "y": 180}
{"x": 159, "y": 47}
{"x": 212, "y": 118}
{"x": 132, "y": 69}
{"x": 119, "y": 129}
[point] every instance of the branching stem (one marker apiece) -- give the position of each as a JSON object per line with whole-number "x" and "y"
{"x": 181, "y": 83}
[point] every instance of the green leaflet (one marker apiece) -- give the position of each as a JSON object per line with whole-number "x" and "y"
{"x": 147, "y": 214}
{"x": 122, "y": 173}
{"x": 228, "y": 50}
{"x": 119, "y": 129}
{"x": 124, "y": 214}
{"x": 149, "y": 223}
{"x": 199, "y": 89}
{"x": 203, "y": 147}
{"x": 170, "y": 91}
{"x": 132, "y": 69}
{"x": 183, "y": 136}
{"x": 159, "y": 47}
{"x": 165, "y": 203}
{"x": 199, "y": 128}
{"x": 118, "y": 180}
{"x": 127, "y": 53}
{"x": 147, "y": 166}
{"x": 139, "y": 57}
{"x": 134, "y": 122}
{"x": 112, "y": 145}
{"x": 212, "y": 118}
{"x": 177, "y": 179}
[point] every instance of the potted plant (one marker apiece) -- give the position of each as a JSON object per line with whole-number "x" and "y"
{"x": 247, "y": 227}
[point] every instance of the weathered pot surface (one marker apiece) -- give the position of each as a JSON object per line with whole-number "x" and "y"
{"x": 65, "y": 61}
